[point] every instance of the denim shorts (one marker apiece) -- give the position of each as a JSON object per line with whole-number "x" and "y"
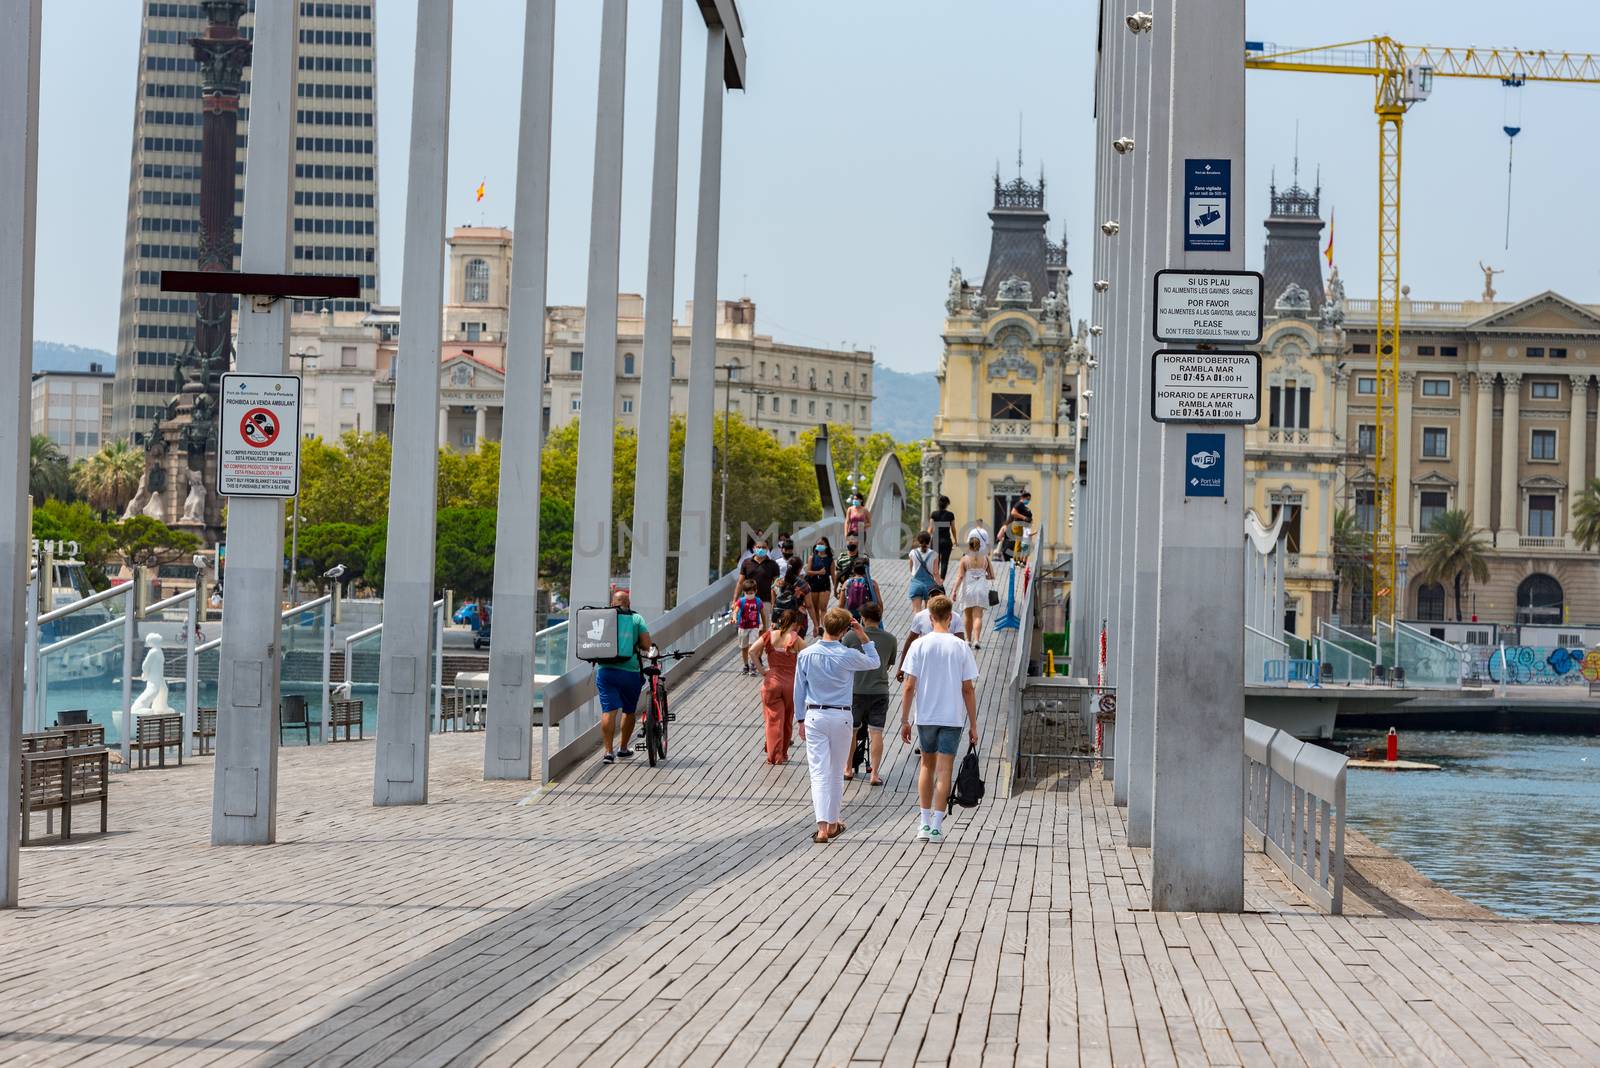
{"x": 942, "y": 740}
{"x": 619, "y": 689}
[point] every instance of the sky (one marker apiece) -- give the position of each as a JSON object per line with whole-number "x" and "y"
{"x": 859, "y": 163}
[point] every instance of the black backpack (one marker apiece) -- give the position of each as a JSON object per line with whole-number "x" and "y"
{"x": 967, "y": 791}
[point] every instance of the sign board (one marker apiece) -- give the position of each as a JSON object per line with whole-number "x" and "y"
{"x": 1207, "y": 186}
{"x": 598, "y": 633}
{"x": 1205, "y": 387}
{"x": 259, "y": 428}
{"x": 1219, "y": 307}
{"x": 1203, "y": 465}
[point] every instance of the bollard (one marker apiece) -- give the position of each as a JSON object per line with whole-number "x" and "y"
{"x": 1394, "y": 746}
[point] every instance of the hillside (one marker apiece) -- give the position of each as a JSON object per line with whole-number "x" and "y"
{"x": 904, "y": 404}
{"x": 54, "y": 356}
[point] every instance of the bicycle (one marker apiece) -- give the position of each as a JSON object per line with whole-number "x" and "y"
{"x": 656, "y": 713}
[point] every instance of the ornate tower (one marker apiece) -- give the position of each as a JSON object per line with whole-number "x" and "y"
{"x": 1294, "y": 243}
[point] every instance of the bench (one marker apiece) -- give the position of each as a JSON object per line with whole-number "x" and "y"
{"x": 205, "y": 730}
{"x": 56, "y": 779}
{"x": 345, "y": 714}
{"x": 452, "y": 709}
{"x": 159, "y": 733}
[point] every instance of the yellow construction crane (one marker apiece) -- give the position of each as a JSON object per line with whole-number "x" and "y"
{"x": 1404, "y": 75}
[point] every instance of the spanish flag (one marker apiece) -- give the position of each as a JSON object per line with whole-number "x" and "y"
{"x": 482, "y": 186}
{"x": 1328, "y": 252}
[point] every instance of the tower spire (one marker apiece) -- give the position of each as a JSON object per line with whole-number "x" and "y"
{"x": 1019, "y": 144}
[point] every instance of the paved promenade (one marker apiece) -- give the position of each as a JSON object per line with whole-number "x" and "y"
{"x": 682, "y": 916}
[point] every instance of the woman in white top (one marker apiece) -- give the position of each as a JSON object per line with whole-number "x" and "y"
{"x": 924, "y": 563}
{"x": 973, "y": 576}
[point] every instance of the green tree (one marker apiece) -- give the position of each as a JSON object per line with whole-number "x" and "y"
{"x": 109, "y": 478}
{"x": 464, "y": 552}
{"x": 145, "y": 542}
{"x": 1350, "y": 544}
{"x": 47, "y": 470}
{"x": 325, "y": 545}
{"x": 1586, "y": 515}
{"x": 555, "y": 541}
{"x": 76, "y": 521}
{"x": 1453, "y": 552}
{"x": 470, "y": 479}
{"x": 347, "y": 482}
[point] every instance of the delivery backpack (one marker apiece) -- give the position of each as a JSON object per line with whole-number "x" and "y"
{"x": 967, "y": 790}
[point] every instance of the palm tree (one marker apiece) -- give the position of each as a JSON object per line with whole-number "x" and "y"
{"x": 1453, "y": 552}
{"x": 1586, "y": 515}
{"x": 1349, "y": 553}
{"x": 109, "y": 478}
{"x": 47, "y": 470}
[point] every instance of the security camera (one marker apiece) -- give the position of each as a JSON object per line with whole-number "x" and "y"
{"x": 1110, "y": 227}
{"x": 1123, "y": 145}
{"x": 1140, "y": 22}
{"x": 1097, "y": 330}
{"x": 1101, "y": 285}
{"x": 336, "y": 572}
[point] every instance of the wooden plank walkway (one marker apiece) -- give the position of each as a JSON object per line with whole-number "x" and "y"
{"x": 681, "y": 915}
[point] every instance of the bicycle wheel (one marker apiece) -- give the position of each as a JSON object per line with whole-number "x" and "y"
{"x": 652, "y": 735}
{"x": 664, "y": 718}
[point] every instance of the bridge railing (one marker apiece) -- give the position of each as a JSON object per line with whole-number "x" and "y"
{"x": 1350, "y": 655}
{"x": 1010, "y": 750}
{"x": 1294, "y": 810}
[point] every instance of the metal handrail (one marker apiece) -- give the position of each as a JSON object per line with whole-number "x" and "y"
{"x": 1295, "y": 810}
{"x": 1011, "y": 752}
{"x": 65, "y": 610}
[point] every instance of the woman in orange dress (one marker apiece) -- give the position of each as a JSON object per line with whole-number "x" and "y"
{"x": 779, "y": 647}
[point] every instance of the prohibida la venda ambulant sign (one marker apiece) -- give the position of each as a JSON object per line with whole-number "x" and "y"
{"x": 259, "y": 431}
{"x": 1205, "y": 387}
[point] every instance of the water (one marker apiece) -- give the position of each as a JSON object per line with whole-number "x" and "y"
{"x": 104, "y": 702}
{"x": 1510, "y": 821}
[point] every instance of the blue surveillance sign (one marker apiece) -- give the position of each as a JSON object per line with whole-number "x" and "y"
{"x": 1203, "y": 465}
{"x": 1207, "y": 185}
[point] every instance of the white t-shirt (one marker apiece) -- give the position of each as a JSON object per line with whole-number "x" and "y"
{"x": 941, "y": 663}
{"x": 922, "y": 623}
{"x": 927, "y": 558}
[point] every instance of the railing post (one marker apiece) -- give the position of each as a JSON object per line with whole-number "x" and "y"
{"x": 130, "y": 630}
{"x": 30, "y": 674}
{"x": 328, "y": 616}
{"x": 438, "y": 664}
{"x": 191, "y": 673}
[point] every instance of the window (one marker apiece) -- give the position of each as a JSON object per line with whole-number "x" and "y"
{"x": 794, "y": 374}
{"x": 1447, "y": 350}
{"x": 811, "y": 407}
{"x": 1365, "y": 510}
{"x": 847, "y": 380}
{"x": 627, "y": 405}
{"x": 1540, "y": 600}
{"x": 830, "y": 379}
{"x": 1435, "y": 442}
{"x": 1366, "y": 439}
{"x": 1542, "y": 445}
{"x": 627, "y": 365}
{"x": 575, "y": 360}
{"x": 1477, "y": 637}
{"x": 1361, "y": 346}
{"x": 577, "y": 403}
{"x": 347, "y": 356}
{"x": 1535, "y": 352}
{"x": 794, "y": 406}
{"x": 761, "y": 370}
{"x": 1558, "y": 354}
{"x": 1367, "y": 386}
{"x": 1434, "y": 504}
{"x": 827, "y": 410}
{"x": 474, "y": 331}
{"x": 477, "y": 278}
{"x": 761, "y": 403}
{"x": 1424, "y": 350}
{"x": 347, "y": 398}
{"x": 1290, "y": 407}
{"x": 1291, "y": 521}
{"x": 1542, "y": 515}
{"x": 1430, "y": 602}
{"x": 1544, "y": 390}
{"x": 1011, "y": 406}
{"x": 1436, "y": 387}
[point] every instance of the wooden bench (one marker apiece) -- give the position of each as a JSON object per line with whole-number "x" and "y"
{"x": 452, "y": 710}
{"x": 205, "y": 730}
{"x": 345, "y": 714}
{"x": 56, "y": 779}
{"x": 159, "y": 733}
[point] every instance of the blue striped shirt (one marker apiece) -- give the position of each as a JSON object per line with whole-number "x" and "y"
{"x": 825, "y": 674}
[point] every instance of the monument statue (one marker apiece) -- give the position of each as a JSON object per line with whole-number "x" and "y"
{"x": 952, "y": 304}
{"x": 194, "y": 505}
{"x": 141, "y": 497}
{"x": 1488, "y": 280}
{"x": 153, "y": 700}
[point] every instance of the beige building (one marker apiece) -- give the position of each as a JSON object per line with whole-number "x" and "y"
{"x": 335, "y": 191}
{"x": 73, "y": 409}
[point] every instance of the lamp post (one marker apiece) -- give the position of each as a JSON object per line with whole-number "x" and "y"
{"x": 728, "y": 370}
{"x": 294, "y": 527}
{"x": 758, "y": 392}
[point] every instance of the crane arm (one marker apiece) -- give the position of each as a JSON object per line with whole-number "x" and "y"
{"x": 1378, "y": 56}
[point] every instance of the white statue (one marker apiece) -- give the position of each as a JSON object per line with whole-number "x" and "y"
{"x": 155, "y": 509}
{"x": 141, "y": 497}
{"x": 952, "y": 304}
{"x": 194, "y": 505}
{"x": 153, "y": 700}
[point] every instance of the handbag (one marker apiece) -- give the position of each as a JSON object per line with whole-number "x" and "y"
{"x": 968, "y": 789}
{"x": 994, "y": 596}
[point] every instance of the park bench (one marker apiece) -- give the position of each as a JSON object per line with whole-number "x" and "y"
{"x": 159, "y": 733}
{"x": 452, "y": 710}
{"x": 345, "y": 714}
{"x": 205, "y": 730}
{"x": 55, "y": 779}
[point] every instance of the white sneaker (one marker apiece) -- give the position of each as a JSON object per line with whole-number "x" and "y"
{"x": 924, "y": 833}
{"x": 934, "y": 835}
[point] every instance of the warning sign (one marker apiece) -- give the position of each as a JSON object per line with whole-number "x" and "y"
{"x": 259, "y": 451}
{"x": 1205, "y": 387}
{"x": 1219, "y": 307}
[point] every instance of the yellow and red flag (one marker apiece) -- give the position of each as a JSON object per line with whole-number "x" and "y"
{"x": 1328, "y": 252}
{"x": 483, "y": 186}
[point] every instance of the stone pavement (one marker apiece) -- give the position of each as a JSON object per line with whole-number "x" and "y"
{"x": 681, "y": 915}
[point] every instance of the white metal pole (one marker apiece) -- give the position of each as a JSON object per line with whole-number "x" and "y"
{"x": 648, "y": 564}
{"x": 32, "y": 715}
{"x": 401, "y": 773}
{"x": 438, "y": 666}
{"x": 591, "y": 526}
{"x": 191, "y": 673}
{"x": 513, "y": 658}
{"x": 19, "y": 169}
{"x": 327, "y": 665}
{"x": 244, "y": 800}
{"x": 130, "y": 638}
{"x": 694, "y": 527}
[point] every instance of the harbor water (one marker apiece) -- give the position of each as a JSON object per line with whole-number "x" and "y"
{"x": 1509, "y": 821}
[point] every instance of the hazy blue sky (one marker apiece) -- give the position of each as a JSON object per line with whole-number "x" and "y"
{"x": 859, "y": 163}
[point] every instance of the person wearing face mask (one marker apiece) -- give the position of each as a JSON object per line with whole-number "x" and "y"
{"x": 1017, "y": 523}
{"x": 846, "y": 566}
{"x": 856, "y": 518}
{"x": 761, "y": 569}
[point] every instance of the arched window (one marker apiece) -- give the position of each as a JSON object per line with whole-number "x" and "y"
{"x": 477, "y": 276}
{"x": 1430, "y": 602}
{"x": 1540, "y": 600}
{"x": 627, "y": 364}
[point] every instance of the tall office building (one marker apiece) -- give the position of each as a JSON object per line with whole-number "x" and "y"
{"x": 336, "y": 180}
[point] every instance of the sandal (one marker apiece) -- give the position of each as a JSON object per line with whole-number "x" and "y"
{"x": 820, "y": 839}
{"x": 837, "y": 833}
{"x": 875, "y": 782}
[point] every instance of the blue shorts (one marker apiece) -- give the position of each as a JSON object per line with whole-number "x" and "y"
{"x": 942, "y": 740}
{"x": 619, "y": 689}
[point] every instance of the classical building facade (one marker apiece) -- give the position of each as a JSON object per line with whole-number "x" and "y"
{"x": 1497, "y": 418}
{"x": 1009, "y": 379}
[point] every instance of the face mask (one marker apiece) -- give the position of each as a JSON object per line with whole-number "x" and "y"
{"x": 852, "y": 546}
{"x": 761, "y": 554}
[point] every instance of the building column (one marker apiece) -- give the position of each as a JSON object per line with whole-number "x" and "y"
{"x": 1463, "y": 444}
{"x": 19, "y": 172}
{"x": 1577, "y": 444}
{"x": 1482, "y": 449}
{"x": 694, "y": 527}
{"x": 507, "y": 751}
{"x": 648, "y": 562}
{"x": 1402, "y": 462}
{"x": 400, "y": 771}
{"x": 244, "y": 798}
{"x": 1510, "y": 452}
{"x": 444, "y": 425}
{"x": 480, "y": 425}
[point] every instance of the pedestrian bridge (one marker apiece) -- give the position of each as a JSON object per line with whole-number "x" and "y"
{"x": 681, "y": 915}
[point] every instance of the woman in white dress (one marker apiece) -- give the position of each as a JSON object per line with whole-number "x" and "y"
{"x": 973, "y": 577}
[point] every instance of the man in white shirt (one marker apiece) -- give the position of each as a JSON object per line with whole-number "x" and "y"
{"x": 824, "y": 685}
{"x": 920, "y": 625}
{"x": 940, "y": 671}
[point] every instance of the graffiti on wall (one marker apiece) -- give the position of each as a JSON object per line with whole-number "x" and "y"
{"x": 1541, "y": 665}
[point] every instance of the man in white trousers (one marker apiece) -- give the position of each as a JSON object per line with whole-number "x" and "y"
{"x": 940, "y": 672}
{"x": 824, "y": 683}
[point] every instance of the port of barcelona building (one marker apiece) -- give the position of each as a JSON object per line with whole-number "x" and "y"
{"x": 336, "y": 189}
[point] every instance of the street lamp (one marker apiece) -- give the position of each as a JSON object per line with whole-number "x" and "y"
{"x": 294, "y": 529}
{"x": 728, "y": 370}
{"x": 758, "y": 392}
